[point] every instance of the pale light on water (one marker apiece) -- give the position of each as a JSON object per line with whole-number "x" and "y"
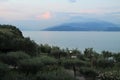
{"x": 81, "y": 40}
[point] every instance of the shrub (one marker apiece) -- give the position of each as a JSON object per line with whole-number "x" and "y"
{"x": 54, "y": 75}
{"x": 105, "y": 63}
{"x": 30, "y": 65}
{"x": 88, "y": 72}
{"x": 117, "y": 65}
{"x": 111, "y": 75}
{"x": 3, "y": 69}
{"x": 12, "y": 58}
{"x": 19, "y": 55}
{"x": 37, "y": 63}
{"x": 68, "y": 63}
{"x": 12, "y": 75}
{"x": 46, "y": 60}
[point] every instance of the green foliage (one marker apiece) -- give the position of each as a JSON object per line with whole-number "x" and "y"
{"x": 111, "y": 75}
{"x": 18, "y": 55}
{"x": 88, "y": 52}
{"x": 36, "y": 64}
{"x": 11, "y": 31}
{"x": 11, "y": 39}
{"x": 13, "y": 75}
{"x": 75, "y": 52}
{"x": 54, "y": 75}
{"x": 30, "y": 65}
{"x": 89, "y": 72}
{"x": 117, "y": 65}
{"x": 7, "y": 35}
{"x": 46, "y": 60}
{"x": 106, "y": 54}
{"x": 12, "y": 58}
{"x": 22, "y": 59}
{"x": 3, "y": 69}
{"x": 26, "y": 45}
{"x": 45, "y": 48}
{"x": 117, "y": 57}
{"x": 69, "y": 63}
{"x": 55, "y": 52}
{"x": 105, "y": 63}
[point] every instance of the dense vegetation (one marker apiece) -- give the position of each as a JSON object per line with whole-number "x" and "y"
{"x": 22, "y": 59}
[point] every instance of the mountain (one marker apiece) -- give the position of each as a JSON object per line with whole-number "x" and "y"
{"x": 85, "y": 26}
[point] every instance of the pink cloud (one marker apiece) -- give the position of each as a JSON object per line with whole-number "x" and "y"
{"x": 46, "y": 15}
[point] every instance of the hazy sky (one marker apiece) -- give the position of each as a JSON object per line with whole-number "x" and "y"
{"x": 39, "y": 14}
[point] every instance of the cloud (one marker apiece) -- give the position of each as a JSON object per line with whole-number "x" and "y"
{"x": 4, "y": 0}
{"x": 73, "y": 1}
{"x": 8, "y": 13}
{"x": 45, "y": 15}
{"x": 93, "y": 11}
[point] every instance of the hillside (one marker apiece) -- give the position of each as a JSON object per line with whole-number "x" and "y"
{"x": 11, "y": 39}
{"x": 23, "y": 59}
{"x": 10, "y": 31}
{"x": 85, "y": 26}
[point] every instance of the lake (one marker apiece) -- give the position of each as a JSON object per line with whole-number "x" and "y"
{"x": 81, "y": 40}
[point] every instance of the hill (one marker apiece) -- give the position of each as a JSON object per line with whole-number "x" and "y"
{"x": 10, "y": 31}
{"x": 85, "y": 26}
{"x": 11, "y": 39}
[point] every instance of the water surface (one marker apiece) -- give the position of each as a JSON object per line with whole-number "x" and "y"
{"x": 81, "y": 40}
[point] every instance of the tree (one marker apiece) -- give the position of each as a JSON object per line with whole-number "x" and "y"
{"x": 56, "y": 52}
{"x": 102, "y": 63}
{"x": 106, "y": 54}
{"x": 11, "y": 39}
{"x": 72, "y": 64}
{"x": 117, "y": 57}
{"x": 11, "y": 30}
{"x": 89, "y": 53}
{"x": 74, "y": 53}
{"x": 45, "y": 48}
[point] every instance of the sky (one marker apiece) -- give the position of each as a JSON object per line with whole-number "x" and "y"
{"x": 40, "y": 14}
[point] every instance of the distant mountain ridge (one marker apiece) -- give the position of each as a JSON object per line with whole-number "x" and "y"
{"x": 85, "y": 26}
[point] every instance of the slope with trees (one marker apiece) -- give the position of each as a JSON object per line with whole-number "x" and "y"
{"x": 22, "y": 59}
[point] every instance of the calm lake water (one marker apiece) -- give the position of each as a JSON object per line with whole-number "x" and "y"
{"x": 81, "y": 40}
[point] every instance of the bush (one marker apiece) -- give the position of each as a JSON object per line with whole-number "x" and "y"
{"x": 55, "y": 52}
{"x": 68, "y": 63}
{"x": 88, "y": 72}
{"x": 3, "y": 69}
{"x": 46, "y": 60}
{"x": 30, "y": 65}
{"x": 105, "y": 63}
{"x": 54, "y": 75}
{"x": 12, "y": 58}
{"x": 37, "y": 63}
{"x": 12, "y": 75}
{"x": 117, "y": 65}
{"x": 19, "y": 55}
{"x": 111, "y": 75}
